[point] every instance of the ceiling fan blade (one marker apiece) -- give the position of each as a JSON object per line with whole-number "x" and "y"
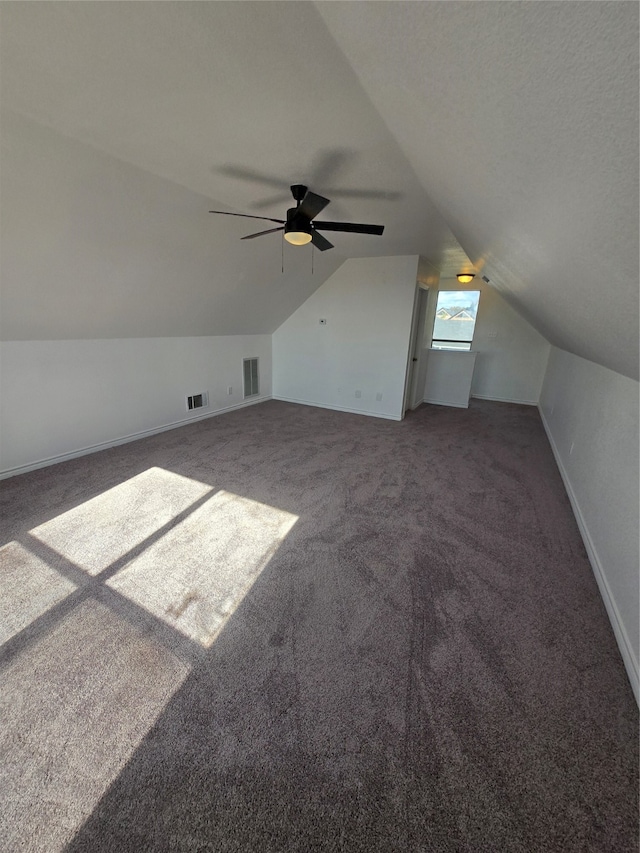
{"x": 329, "y": 164}
{"x": 260, "y": 233}
{"x": 312, "y": 204}
{"x": 384, "y": 195}
{"x": 250, "y": 175}
{"x": 320, "y": 242}
{"x": 271, "y": 201}
{"x": 352, "y": 227}
{"x": 247, "y": 216}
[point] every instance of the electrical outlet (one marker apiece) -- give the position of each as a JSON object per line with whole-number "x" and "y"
{"x": 378, "y": 396}
{"x": 358, "y": 394}
{"x": 229, "y": 390}
{"x": 493, "y": 334}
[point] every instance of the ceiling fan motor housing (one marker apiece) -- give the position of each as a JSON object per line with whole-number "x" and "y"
{"x": 297, "y": 221}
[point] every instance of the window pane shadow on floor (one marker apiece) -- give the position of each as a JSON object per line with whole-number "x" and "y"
{"x": 94, "y": 665}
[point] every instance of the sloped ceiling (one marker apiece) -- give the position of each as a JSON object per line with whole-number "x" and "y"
{"x": 521, "y": 121}
{"x": 505, "y": 132}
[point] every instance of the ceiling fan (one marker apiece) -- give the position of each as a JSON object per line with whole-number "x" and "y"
{"x": 301, "y": 227}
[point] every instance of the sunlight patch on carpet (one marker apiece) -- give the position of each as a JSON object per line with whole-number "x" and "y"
{"x": 195, "y": 576}
{"x": 105, "y": 528}
{"x": 78, "y": 699}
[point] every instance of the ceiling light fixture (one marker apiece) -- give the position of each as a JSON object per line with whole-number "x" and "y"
{"x": 465, "y": 277}
{"x": 297, "y": 238}
{"x": 297, "y": 229}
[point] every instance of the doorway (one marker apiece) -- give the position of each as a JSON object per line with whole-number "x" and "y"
{"x": 416, "y": 366}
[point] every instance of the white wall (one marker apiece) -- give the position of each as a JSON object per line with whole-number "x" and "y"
{"x": 512, "y": 356}
{"x": 60, "y": 398}
{"x": 94, "y": 249}
{"x": 591, "y": 417}
{"x": 368, "y": 306}
{"x": 448, "y": 378}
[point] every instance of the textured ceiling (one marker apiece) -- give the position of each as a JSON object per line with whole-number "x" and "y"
{"x": 505, "y": 132}
{"x": 521, "y": 122}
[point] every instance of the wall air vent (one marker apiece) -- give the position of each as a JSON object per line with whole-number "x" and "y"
{"x": 250, "y": 373}
{"x": 197, "y": 401}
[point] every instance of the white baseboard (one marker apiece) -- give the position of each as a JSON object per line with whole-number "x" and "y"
{"x": 624, "y": 644}
{"x": 125, "y": 439}
{"x": 338, "y": 408}
{"x": 446, "y": 403}
{"x": 505, "y": 400}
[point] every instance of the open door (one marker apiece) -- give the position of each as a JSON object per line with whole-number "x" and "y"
{"x": 414, "y": 384}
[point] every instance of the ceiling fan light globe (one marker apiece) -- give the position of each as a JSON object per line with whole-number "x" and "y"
{"x": 297, "y": 238}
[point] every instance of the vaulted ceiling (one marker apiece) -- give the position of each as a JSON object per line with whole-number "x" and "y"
{"x": 501, "y": 133}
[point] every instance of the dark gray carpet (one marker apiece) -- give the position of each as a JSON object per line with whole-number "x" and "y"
{"x": 420, "y": 662}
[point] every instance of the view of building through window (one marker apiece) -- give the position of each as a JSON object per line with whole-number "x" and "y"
{"x": 455, "y": 319}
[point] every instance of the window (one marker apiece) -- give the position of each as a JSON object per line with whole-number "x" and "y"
{"x": 455, "y": 319}
{"x": 250, "y": 377}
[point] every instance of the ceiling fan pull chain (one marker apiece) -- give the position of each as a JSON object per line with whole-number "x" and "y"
{"x": 282, "y": 247}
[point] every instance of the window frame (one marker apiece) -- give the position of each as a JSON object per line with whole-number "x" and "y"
{"x": 463, "y": 345}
